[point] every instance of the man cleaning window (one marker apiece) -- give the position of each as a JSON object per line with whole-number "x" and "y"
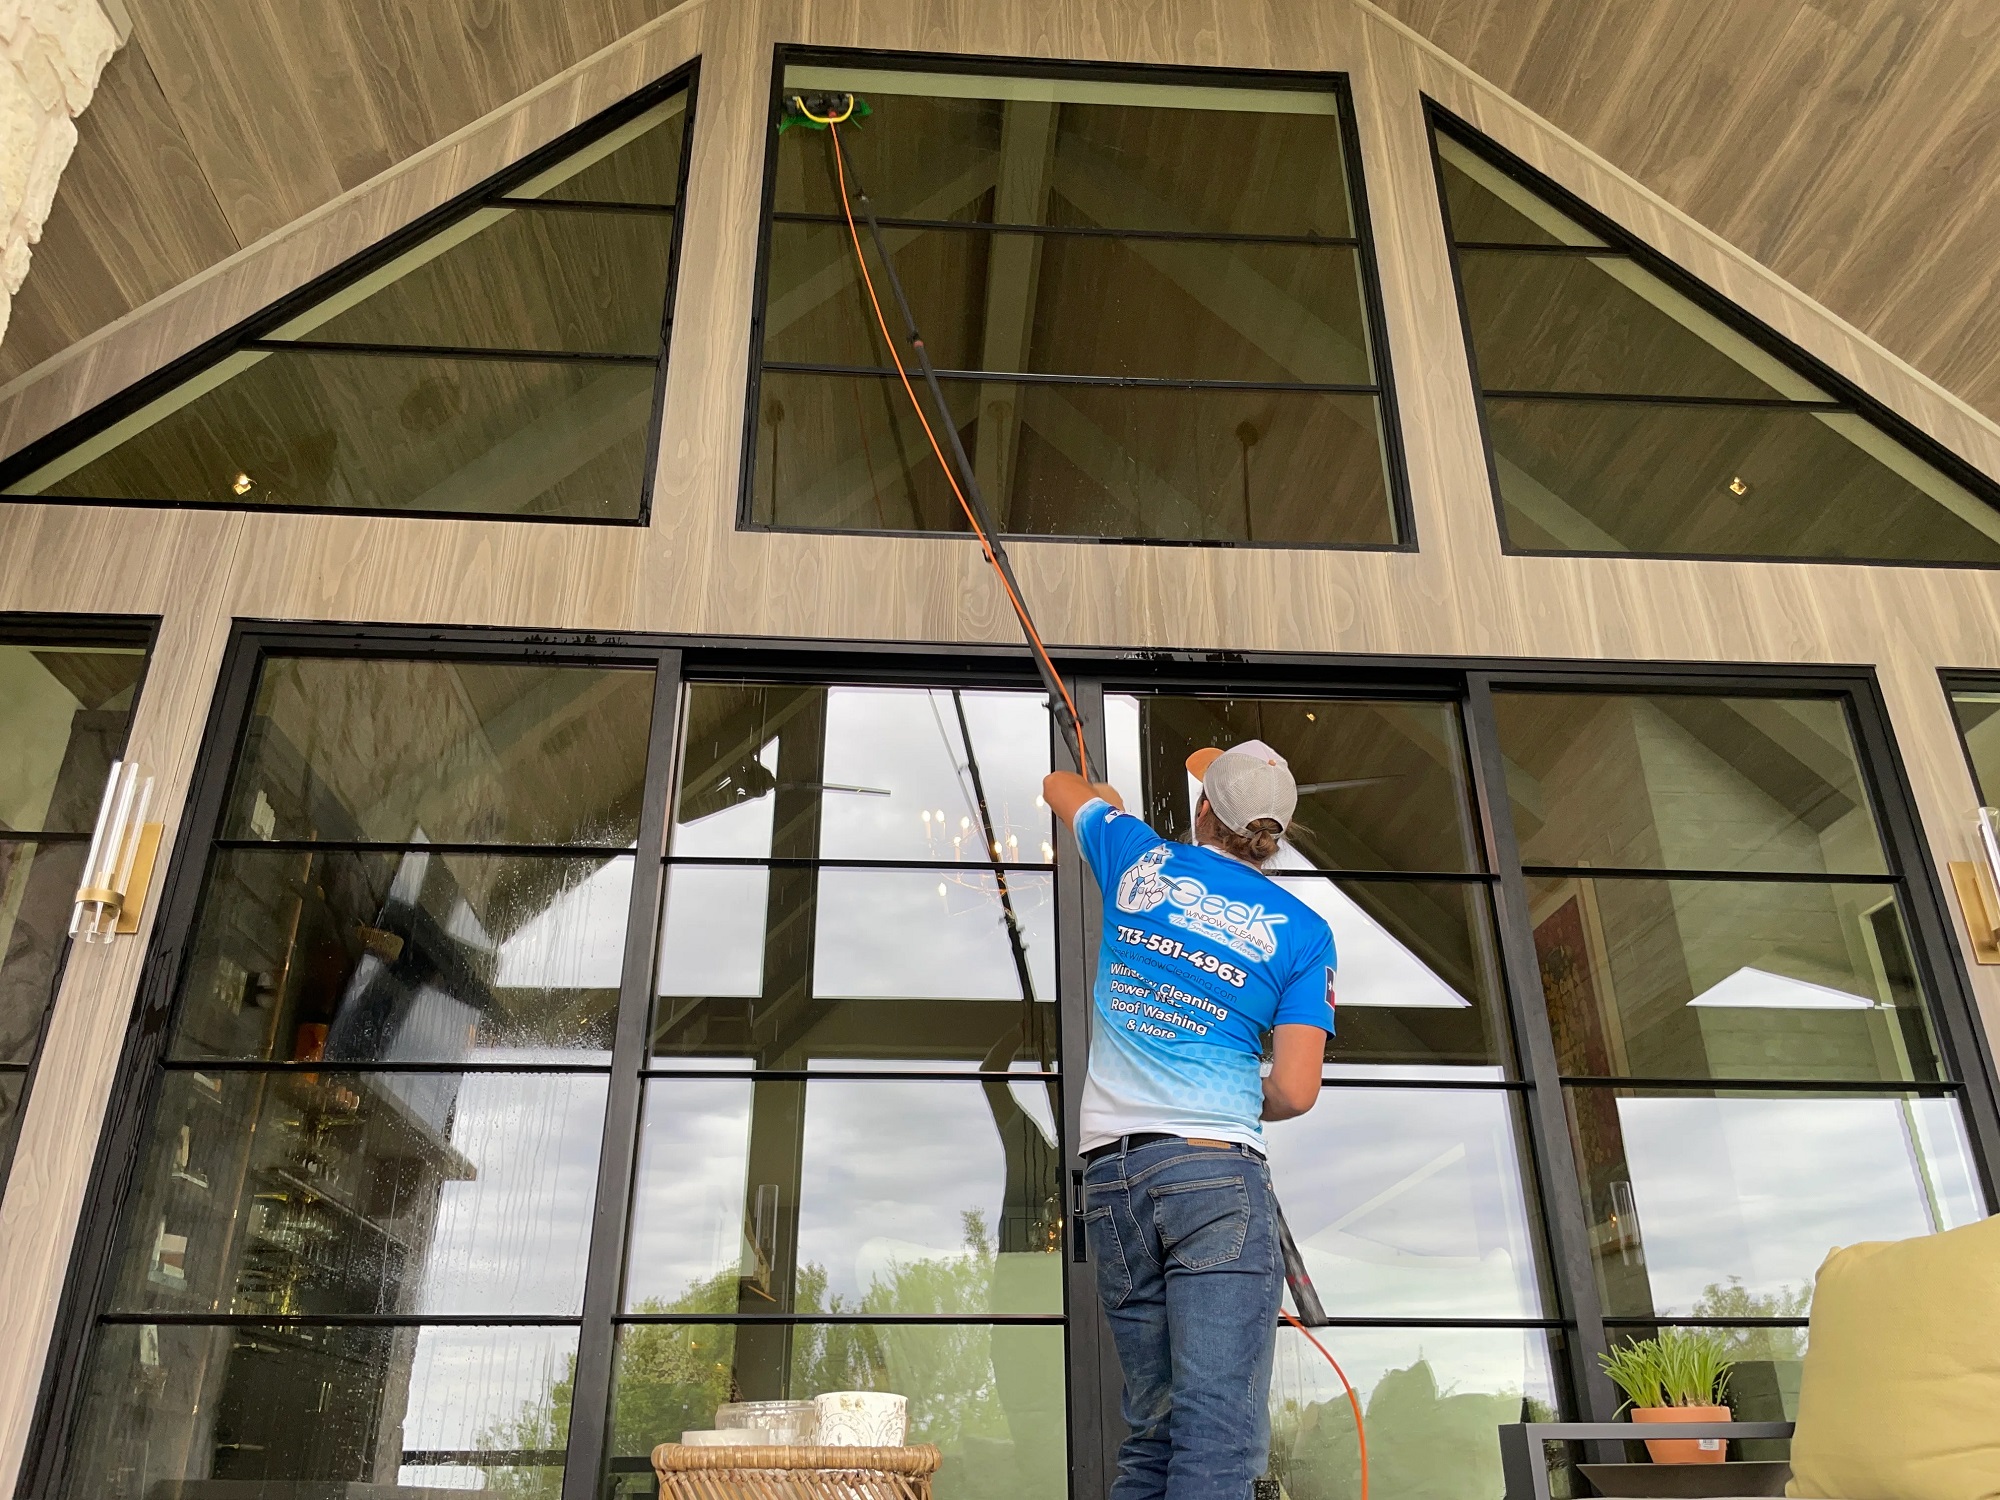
{"x": 1202, "y": 957}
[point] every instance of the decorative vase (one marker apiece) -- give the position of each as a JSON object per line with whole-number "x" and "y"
{"x": 1685, "y": 1450}
{"x": 862, "y": 1419}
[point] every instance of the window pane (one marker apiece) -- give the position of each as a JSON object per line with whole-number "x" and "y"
{"x": 512, "y": 279}
{"x": 1124, "y": 156}
{"x": 639, "y": 162}
{"x": 1704, "y": 1199}
{"x": 1382, "y": 785}
{"x": 1488, "y": 206}
{"x": 1418, "y": 972}
{"x": 1584, "y": 476}
{"x": 858, "y": 967}
{"x": 1979, "y": 723}
{"x": 1730, "y": 979}
{"x": 1589, "y": 323}
{"x": 268, "y": 1412}
{"x": 1686, "y": 782}
{"x": 1434, "y": 1397}
{"x": 993, "y": 1398}
{"x": 37, "y": 887}
{"x": 1409, "y": 1203}
{"x": 555, "y": 438}
{"x": 304, "y": 956}
{"x": 881, "y": 1196}
{"x": 437, "y": 751}
{"x": 845, "y": 453}
{"x": 63, "y": 711}
{"x": 918, "y": 774}
{"x": 1064, "y": 304}
{"x": 371, "y": 1193}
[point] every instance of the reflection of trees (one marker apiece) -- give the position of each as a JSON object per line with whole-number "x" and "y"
{"x": 672, "y": 1376}
{"x": 1423, "y": 1443}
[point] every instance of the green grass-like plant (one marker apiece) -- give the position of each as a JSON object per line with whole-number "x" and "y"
{"x": 1681, "y": 1367}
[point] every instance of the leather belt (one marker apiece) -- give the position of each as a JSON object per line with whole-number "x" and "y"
{"x": 1126, "y": 1143}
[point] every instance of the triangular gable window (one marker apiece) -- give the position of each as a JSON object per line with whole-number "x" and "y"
{"x": 504, "y": 358}
{"x": 1630, "y": 411}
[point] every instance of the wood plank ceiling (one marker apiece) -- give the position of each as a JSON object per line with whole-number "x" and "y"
{"x": 1851, "y": 145}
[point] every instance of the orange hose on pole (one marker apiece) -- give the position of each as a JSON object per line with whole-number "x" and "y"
{"x": 988, "y": 546}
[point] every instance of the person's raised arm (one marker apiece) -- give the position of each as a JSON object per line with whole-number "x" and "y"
{"x": 1066, "y": 792}
{"x": 1292, "y": 1086}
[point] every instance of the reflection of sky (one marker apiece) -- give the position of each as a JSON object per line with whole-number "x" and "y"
{"x": 1762, "y": 1189}
{"x": 576, "y": 942}
{"x": 907, "y": 740}
{"x": 469, "y": 1386}
{"x": 1759, "y": 989}
{"x": 687, "y": 1206}
{"x": 512, "y": 1239}
{"x": 904, "y": 747}
{"x": 889, "y": 1168}
{"x": 1408, "y": 1204}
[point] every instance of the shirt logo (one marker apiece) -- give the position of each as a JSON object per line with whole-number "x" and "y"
{"x": 1143, "y": 887}
{"x": 1237, "y": 925}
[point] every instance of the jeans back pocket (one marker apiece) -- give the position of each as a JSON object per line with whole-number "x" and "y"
{"x": 1201, "y": 1224}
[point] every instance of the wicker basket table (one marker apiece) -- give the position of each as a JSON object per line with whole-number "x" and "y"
{"x": 799, "y": 1473}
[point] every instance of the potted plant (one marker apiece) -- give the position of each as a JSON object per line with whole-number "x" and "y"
{"x": 1678, "y": 1376}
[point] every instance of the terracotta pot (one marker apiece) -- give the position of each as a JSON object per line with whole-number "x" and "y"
{"x": 1685, "y": 1450}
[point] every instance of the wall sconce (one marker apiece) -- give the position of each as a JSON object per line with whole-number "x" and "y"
{"x": 120, "y": 864}
{"x": 1978, "y": 885}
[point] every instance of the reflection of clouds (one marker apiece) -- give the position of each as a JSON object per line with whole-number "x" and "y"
{"x": 1375, "y": 969}
{"x": 688, "y": 1202}
{"x": 907, "y": 740}
{"x": 898, "y": 1163}
{"x": 469, "y": 1386}
{"x": 576, "y": 942}
{"x": 513, "y": 1239}
{"x": 713, "y": 939}
{"x": 1762, "y": 1189}
{"x": 928, "y": 934}
{"x": 888, "y": 1169}
{"x": 1409, "y": 1204}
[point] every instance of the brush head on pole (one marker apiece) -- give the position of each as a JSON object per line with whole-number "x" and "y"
{"x": 816, "y": 111}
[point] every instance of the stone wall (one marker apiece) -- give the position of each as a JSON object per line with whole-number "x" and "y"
{"x": 51, "y": 55}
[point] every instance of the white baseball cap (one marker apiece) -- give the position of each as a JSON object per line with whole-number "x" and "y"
{"x": 1246, "y": 782}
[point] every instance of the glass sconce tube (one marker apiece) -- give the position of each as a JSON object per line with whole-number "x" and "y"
{"x": 120, "y": 863}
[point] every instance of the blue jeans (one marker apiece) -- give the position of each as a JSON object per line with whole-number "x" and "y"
{"x": 1190, "y": 1275}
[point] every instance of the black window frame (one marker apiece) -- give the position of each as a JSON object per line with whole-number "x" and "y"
{"x": 1573, "y": 1321}
{"x": 251, "y": 333}
{"x": 1394, "y": 460}
{"x": 1844, "y": 395}
{"x": 139, "y": 632}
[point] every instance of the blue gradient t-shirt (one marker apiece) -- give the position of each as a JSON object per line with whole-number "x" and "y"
{"x": 1202, "y": 956}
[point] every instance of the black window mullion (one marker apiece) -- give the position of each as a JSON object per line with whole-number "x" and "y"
{"x": 590, "y": 1413}
{"x": 1560, "y": 1189}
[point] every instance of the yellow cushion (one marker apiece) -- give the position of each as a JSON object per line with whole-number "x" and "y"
{"x": 1900, "y": 1395}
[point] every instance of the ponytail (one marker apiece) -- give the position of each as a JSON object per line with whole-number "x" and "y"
{"x": 1255, "y": 845}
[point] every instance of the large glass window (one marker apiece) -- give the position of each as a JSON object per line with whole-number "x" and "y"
{"x": 1148, "y": 303}
{"x": 66, "y": 697}
{"x": 1712, "y": 905}
{"x": 506, "y": 363}
{"x": 1976, "y": 706}
{"x": 852, "y": 1106}
{"x": 1408, "y": 1186}
{"x": 353, "y": 1250}
{"x": 1623, "y": 415}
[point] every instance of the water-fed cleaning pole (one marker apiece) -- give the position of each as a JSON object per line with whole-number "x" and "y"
{"x": 832, "y": 111}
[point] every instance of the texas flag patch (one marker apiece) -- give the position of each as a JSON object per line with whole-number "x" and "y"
{"x": 1329, "y": 993}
